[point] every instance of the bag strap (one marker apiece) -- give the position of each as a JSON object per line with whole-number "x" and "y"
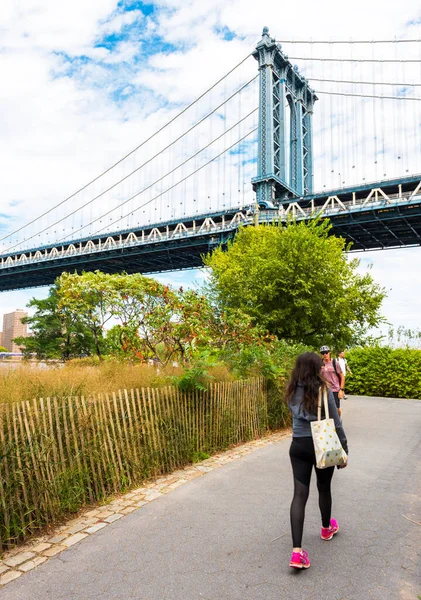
{"x": 319, "y": 404}
{"x": 335, "y": 363}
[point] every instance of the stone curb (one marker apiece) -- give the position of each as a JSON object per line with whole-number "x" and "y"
{"x": 24, "y": 558}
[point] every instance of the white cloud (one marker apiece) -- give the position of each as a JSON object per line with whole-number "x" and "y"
{"x": 398, "y": 271}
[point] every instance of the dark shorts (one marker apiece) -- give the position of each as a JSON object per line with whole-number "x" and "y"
{"x": 337, "y": 401}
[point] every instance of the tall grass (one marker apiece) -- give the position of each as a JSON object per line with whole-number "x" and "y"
{"x": 56, "y": 454}
{"x": 84, "y": 377}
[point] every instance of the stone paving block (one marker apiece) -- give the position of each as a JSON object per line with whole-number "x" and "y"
{"x": 31, "y": 564}
{"x": 152, "y": 496}
{"x": 113, "y": 518}
{"x": 95, "y": 528}
{"x": 140, "y": 503}
{"x": 41, "y": 547}
{"x": 3, "y": 568}
{"x": 74, "y": 539}
{"x": 171, "y": 480}
{"x": 54, "y": 550}
{"x": 92, "y": 513}
{"x": 17, "y": 550}
{"x": 141, "y": 490}
{"x": 177, "y": 484}
{"x": 103, "y": 514}
{"x": 137, "y": 497}
{"x": 76, "y": 528}
{"x": 18, "y": 559}
{"x": 56, "y": 539}
{"x": 128, "y": 510}
{"x": 159, "y": 486}
{"x": 192, "y": 476}
{"x": 126, "y": 503}
{"x": 89, "y": 520}
{"x": 10, "y": 576}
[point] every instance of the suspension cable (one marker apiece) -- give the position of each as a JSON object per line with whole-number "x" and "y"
{"x": 174, "y": 185}
{"x": 369, "y": 96}
{"x": 366, "y": 82}
{"x": 357, "y": 60}
{"x": 132, "y": 172}
{"x": 347, "y": 41}
{"x": 135, "y": 195}
{"x": 131, "y": 152}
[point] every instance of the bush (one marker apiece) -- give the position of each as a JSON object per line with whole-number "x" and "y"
{"x": 383, "y": 371}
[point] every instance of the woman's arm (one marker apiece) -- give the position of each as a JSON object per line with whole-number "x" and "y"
{"x": 333, "y": 413}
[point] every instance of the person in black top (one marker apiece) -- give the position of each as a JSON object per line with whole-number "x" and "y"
{"x": 302, "y": 395}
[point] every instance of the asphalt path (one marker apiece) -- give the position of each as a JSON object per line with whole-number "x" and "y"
{"x": 226, "y": 535}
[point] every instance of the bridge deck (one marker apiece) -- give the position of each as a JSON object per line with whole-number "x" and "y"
{"x": 367, "y": 217}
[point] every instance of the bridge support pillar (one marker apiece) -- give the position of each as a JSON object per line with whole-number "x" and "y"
{"x": 284, "y": 168}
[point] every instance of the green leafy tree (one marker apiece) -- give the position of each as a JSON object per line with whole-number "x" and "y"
{"x": 56, "y": 334}
{"x": 87, "y": 298}
{"x": 151, "y": 319}
{"x": 297, "y": 282}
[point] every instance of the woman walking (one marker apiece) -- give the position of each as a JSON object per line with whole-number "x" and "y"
{"x": 302, "y": 395}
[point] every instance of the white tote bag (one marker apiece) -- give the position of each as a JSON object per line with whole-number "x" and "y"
{"x": 327, "y": 445}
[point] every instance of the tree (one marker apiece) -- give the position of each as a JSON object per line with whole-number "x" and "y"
{"x": 86, "y": 298}
{"x": 152, "y": 320}
{"x": 55, "y": 333}
{"x": 296, "y": 281}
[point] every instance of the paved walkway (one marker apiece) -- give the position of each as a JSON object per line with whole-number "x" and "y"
{"x": 226, "y": 535}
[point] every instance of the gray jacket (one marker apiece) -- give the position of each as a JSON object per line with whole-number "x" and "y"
{"x": 301, "y": 418}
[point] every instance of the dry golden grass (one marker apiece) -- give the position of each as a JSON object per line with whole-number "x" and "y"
{"x": 84, "y": 377}
{"x": 76, "y": 378}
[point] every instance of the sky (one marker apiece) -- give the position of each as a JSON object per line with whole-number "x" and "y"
{"x": 82, "y": 87}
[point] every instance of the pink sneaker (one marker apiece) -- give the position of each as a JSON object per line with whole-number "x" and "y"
{"x": 327, "y": 533}
{"x": 299, "y": 560}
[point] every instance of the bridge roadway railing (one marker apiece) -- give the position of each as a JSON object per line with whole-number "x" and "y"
{"x": 302, "y": 209}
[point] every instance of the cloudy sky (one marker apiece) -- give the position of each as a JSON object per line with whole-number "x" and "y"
{"x": 82, "y": 87}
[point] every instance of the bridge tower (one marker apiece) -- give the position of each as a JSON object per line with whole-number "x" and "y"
{"x": 284, "y": 167}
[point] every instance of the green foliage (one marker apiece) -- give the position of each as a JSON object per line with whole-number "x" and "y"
{"x": 273, "y": 359}
{"x": 3, "y": 349}
{"x": 153, "y": 320}
{"x": 193, "y": 378}
{"x": 297, "y": 282}
{"x": 380, "y": 371}
{"x": 56, "y": 333}
{"x": 199, "y": 456}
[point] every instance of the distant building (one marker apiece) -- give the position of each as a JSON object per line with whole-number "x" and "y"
{"x": 1, "y": 338}
{"x": 13, "y": 328}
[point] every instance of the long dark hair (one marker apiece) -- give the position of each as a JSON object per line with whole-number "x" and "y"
{"x": 307, "y": 371}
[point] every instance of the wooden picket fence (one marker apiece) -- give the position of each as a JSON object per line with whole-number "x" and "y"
{"x": 58, "y": 454}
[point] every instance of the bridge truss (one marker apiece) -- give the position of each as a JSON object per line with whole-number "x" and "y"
{"x": 371, "y": 217}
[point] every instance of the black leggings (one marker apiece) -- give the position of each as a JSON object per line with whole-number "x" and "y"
{"x": 303, "y": 458}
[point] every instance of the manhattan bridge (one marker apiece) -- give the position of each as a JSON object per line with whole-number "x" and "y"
{"x": 337, "y": 136}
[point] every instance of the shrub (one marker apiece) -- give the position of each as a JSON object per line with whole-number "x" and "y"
{"x": 383, "y": 371}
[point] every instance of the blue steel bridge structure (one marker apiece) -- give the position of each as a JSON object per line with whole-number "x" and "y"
{"x": 101, "y": 227}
